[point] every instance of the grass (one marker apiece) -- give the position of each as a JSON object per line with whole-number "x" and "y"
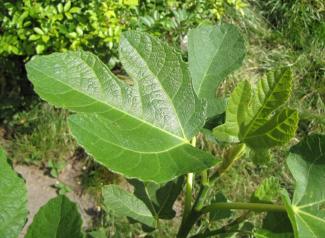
{"x": 38, "y": 135}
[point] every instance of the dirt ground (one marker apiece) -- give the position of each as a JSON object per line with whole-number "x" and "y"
{"x": 41, "y": 188}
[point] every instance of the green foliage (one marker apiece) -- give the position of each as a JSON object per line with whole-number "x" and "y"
{"x": 126, "y": 204}
{"x": 256, "y": 118}
{"x": 159, "y": 198}
{"x": 13, "y": 200}
{"x": 306, "y": 209}
{"x": 58, "y": 218}
{"x": 142, "y": 126}
{"x": 173, "y": 18}
{"x": 220, "y": 52}
{"x": 277, "y": 223}
{"x": 36, "y": 27}
{"x": 144, "y": 123}
{"x": 62, "y": 188}
{"x": 55, "y": 167}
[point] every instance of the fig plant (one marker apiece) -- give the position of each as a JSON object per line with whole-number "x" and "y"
{"x": 145, "y": 128}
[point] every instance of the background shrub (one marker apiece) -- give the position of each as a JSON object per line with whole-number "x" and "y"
{"x": 36, "y": 27}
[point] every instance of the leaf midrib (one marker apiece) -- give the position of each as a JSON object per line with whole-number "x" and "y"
{"x": 259, "y": 110}
{"x": 128, "y": 149}
{"x": 270, "y": 130}
{"x": 157, "y": 80}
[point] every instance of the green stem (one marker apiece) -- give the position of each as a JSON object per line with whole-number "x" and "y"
{"x": 188, "y": 195}
{"x": 204, "y": 177}
{"x": 188, "y": 191}
{"x": 259, "y": 207}
{"x": 199, "y": 202}
{"x": 234, "y": 153}
{"x": 191, "y": 216}
{"x": 188, "y": 223}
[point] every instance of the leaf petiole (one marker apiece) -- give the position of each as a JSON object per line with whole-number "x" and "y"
{"x": 258, "y": 207}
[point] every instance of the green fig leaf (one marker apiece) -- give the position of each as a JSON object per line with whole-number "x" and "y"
{"x": 140, "y": 130}
{"x": 255, "y": 117}
{"x": 159, "y": 198}
{"x": 306, "y": 209}
{"x": 277, "y": 222}
{"x": 13, "y": 200}
{"x": 214, "y": 52}
{"x": 123, "y": 203}
{"x": 59, "y": 217}
{"x": 278, "y": 130}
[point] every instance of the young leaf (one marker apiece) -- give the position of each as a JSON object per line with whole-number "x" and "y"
{"x": 126, "y": 204}
{"x": 58, "y": 218}
{"x": 307, "y": 165}
{"x": 278, "y": 130}
{"x": 267, "y": 191}
{"x": 272, "y": 92}
{"x": 256, "y": 120}
{"x": 13, "y": 200}
{"x": 140, "y": 130}
{"x": 214, "y": 52}
{"x": 235, "y": 113}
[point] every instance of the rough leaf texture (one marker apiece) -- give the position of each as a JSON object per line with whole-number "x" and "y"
{"x": 13, "y": 200}
{"x": 126, "y": 204}
{"x": 214, "y": 52}
{"x": 140, "y": 130}
{"x": 59, "y": 217}
{"x": 255, "y": 117}
{"x": 307, "y": 165}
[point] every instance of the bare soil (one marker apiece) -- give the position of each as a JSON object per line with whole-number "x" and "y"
{"x": 41, "y": 189}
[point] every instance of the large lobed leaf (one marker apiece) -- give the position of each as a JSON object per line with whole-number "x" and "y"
{"x": 140, "y": 130}
{"x": 255, "y": 117}
{"x": 13, "y": 200}
{"x": 307, "y": 165}
{"x": 214, "y": 52}
{"x": 59, "y": 217}
{"x": 126, "y": 204}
